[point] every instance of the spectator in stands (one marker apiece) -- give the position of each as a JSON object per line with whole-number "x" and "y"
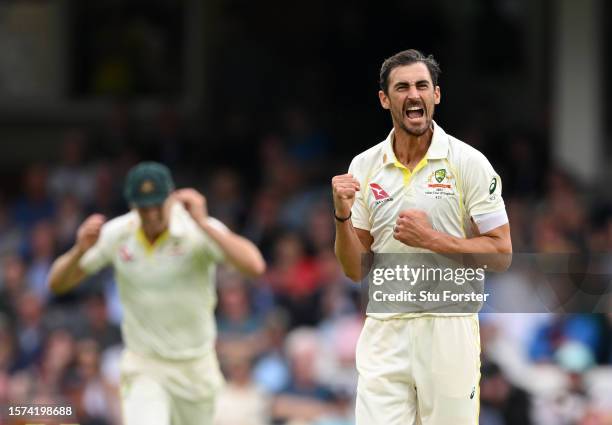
{"x": 501, "y": 402}
{"x": 42, "y": 253}
{"x": 293, "y": 277}
{"x": 72, "y": 175}
{"x": 106, "y": 198}
{"x": 8, "y": 355}
{"x": 93, "y": 396}
{"x": 35, "y": 204}
{"x": 11, "y": 235}
{"x": 13, "y": 282}
{"x": 239, "y": 327}
{"x": 241, "y": 401}
{"x": 305, "y": 398}
{"x": 226, "y": 198}
{"x": 584, "y": 329}
{"x": 68, "y": 217}
{"x": 97, "y": 325}
{"x": 271, "y": 371}
{"x": 29, "y": 328}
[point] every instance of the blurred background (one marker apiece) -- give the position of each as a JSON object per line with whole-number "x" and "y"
{"x": 258, "y": 105}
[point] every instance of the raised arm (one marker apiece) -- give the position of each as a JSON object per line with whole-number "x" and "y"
{"x": 351, "y": 242}
{"x": 239, "y": 251}
{"x": 65, "y": 272}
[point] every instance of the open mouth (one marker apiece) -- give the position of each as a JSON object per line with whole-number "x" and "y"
{"x": 415, "y": 112}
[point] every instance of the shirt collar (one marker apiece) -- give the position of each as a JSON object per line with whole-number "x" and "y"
{"x": 438, "y": 148}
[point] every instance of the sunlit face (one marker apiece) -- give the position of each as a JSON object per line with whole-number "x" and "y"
{"x": 411, "y": 97}
{"x": 154, "y": 219}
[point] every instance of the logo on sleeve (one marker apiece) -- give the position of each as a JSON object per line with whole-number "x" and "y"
{"x": 492, "y": 188}
{"x": 380, "y": 195}
{"x": 493, "y": 185}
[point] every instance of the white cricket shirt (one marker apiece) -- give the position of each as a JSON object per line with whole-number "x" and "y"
{"x": 452, "y": 183}
{"x": 167, "y": 289}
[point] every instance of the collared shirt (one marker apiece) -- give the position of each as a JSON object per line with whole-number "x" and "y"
{"x": 166, "y": 288}
{"x": 452, "y": 183}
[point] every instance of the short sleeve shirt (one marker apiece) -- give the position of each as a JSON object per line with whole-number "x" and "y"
{"x": 166, "y": 289}
{"x": 452, "y": 183}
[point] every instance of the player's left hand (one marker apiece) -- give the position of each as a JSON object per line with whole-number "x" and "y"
{"x": 412, "y": 228}
{"x": 194, "y": 202}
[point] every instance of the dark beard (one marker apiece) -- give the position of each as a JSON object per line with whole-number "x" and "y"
{"x": 410, "y": 131}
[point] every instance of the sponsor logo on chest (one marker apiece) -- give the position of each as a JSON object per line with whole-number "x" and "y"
{"x": 380, "y": 195}
{"x": 125, "y": 254}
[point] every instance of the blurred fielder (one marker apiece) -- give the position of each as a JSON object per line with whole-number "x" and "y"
{"x": 420, "y": 190}
{"x": 164, "y": 253}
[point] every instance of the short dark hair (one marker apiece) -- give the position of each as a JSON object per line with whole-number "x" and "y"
{"x": 408, "y": 57}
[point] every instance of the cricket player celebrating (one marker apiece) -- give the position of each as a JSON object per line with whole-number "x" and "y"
{"x": 164, "y": 253}
{"x": 420, "y": 190}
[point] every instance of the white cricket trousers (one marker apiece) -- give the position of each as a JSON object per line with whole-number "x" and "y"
{"x": 163, "y": 392}
{"x": 419, "y": 371}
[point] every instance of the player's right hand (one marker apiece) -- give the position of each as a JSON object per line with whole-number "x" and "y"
{"x": 344, "y": 188}
{"x": 89, "y": 231}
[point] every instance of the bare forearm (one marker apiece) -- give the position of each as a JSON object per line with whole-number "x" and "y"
{"x": 65, "y": 272}
{"x": 497, "y": 252}
{"x": 444, "y": 243}
{"x": 349, "y": 250}
{"x": 239, "y": 251}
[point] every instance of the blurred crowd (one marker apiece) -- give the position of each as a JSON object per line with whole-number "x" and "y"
{"x": 286, "y": 342}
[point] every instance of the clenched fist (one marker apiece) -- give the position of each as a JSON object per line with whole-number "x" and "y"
{"x": 89, "y": 231}
{"x": 344, "y": 188}
{"x": 413, "y": 228}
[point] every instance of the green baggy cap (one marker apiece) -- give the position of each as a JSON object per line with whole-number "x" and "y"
{"x": 148, "y": 183}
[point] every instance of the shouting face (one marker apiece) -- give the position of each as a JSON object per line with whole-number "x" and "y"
{"x": 411, "y": 97}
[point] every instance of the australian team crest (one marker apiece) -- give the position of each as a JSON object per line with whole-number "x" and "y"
{"x": 440, "y": 184}
{"x": 440, "y": 175}
{"x": 147, "y": 186}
